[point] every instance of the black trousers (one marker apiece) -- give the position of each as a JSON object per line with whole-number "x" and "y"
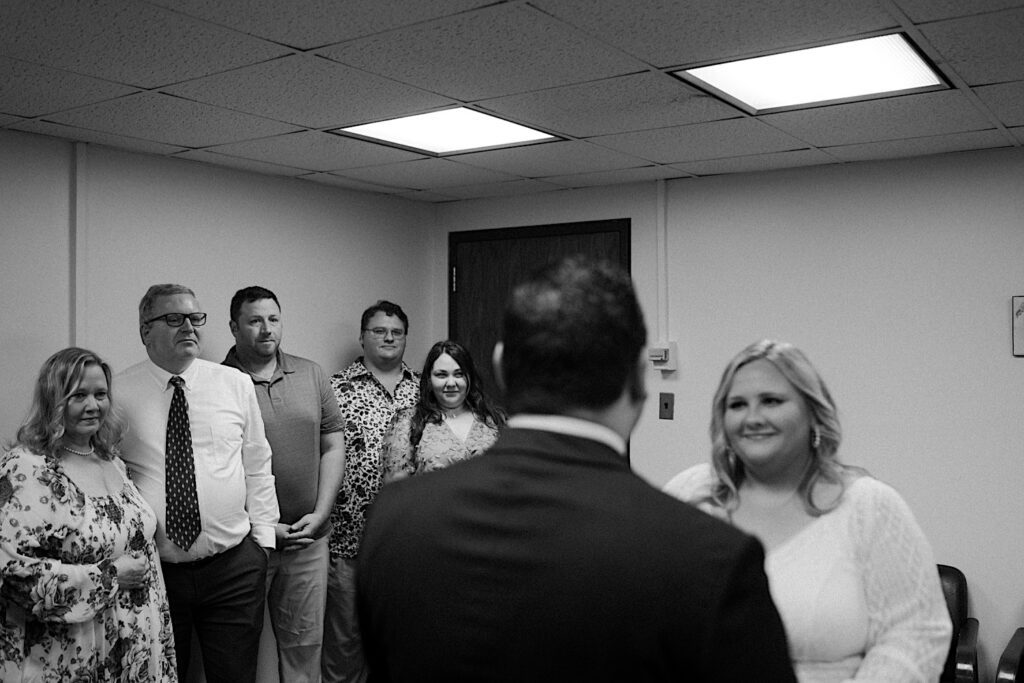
{"x": 221, "y": 598}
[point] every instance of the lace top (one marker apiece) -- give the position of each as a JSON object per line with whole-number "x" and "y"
{"x": 438, "y": 447}
{"x": 857, "y": 589}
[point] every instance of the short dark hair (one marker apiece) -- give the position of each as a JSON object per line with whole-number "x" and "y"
{"x": 572, "y": 338}
{"x": 387, "y": 308}
{"x": 247, "y": 294}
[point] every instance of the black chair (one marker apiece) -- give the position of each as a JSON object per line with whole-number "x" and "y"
{"x": 962, "y": 663}
{"x": 1011, "y": 664}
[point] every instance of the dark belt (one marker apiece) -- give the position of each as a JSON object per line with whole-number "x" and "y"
{"x": 202, "y": 561}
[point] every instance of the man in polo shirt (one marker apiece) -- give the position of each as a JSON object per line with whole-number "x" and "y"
{"x": 306, "y": 434}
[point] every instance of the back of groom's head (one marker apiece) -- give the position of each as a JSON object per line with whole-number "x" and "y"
{"x": 572, "y": 337}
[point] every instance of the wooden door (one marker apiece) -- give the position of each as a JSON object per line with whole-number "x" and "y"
{"x": 485, "y": 265}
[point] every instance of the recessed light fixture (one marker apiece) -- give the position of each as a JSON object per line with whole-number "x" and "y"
{"x": 858, "y": 69}
{"x": 449, "y": 131}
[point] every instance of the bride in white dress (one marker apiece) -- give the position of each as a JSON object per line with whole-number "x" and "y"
{"x": 850, "y": 571}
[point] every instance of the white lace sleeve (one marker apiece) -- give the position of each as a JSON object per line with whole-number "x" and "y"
{"x": 909, "y": 628}
{"x": 694, "y": 486}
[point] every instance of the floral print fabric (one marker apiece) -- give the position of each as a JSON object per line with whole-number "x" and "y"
{"x": 368, "y": 409}
{"x": 438, "y": 446}
{"x": 62, "y": 617}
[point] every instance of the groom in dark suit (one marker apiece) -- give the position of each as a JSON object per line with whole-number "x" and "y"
{"x": 547, "y": 559}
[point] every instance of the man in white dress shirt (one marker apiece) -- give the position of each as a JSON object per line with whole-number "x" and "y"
{"x": 210, "y": 470}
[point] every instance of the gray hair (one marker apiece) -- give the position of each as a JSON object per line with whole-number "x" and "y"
{"x": 154, "y": 293}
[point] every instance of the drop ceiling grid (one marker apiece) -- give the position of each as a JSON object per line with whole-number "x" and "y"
{"x": 232, "y": 85}
{"x": 310, "y": 92}
{"x": 499, "y": 50}
{"x": 127, "y": 42}
{"x": 316, "y": 151}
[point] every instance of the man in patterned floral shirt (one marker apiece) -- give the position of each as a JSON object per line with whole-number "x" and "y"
{"x": 370, "y": 391}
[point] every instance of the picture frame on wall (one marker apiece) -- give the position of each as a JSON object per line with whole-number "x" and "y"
{"x": 1017, "y": 324}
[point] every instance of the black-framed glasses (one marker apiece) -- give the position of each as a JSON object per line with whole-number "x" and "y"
{"x": 381, "y": 332}
{"x": 178, "y": 319}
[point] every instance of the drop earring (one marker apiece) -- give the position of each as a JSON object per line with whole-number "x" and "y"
{"x": 816, "y": 437}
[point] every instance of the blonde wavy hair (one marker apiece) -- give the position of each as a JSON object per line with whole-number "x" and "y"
{"x": 827, "y": 434}
{"x": 60, "y": 375}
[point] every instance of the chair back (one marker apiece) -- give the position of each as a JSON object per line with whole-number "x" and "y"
{"x": 1011, "y": 663}
{"x": 954, "y": 587}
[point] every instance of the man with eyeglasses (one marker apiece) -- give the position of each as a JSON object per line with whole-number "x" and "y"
{"x": 370, "y": 391}
{"x": 198, "y": 452}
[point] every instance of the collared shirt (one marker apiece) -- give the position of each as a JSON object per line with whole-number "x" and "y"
{"x": 368, "y": 408}
{"x": 232, "y": 457}
{"x": 298, "y": 406}
{"x": 570, "y": 426}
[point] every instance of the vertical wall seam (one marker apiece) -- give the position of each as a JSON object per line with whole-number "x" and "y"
{"x": 73, "y": 246}
{"x": 661, "y": 263}
{"x": 78, "y": 224}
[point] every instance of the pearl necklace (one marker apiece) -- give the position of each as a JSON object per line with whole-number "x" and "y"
{"x": 92, "y": 449}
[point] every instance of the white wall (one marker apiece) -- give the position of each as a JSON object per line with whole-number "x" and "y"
{"x": 35, "y": 277}
{"x": 327, "y": 253}
{"x": 895, "y": 278}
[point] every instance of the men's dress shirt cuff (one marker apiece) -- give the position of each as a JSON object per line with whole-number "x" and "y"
{"x": 264, "y": 535}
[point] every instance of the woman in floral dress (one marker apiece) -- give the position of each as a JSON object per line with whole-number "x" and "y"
{"x": 454, "y": 420}
{"x": 81, "y": 593}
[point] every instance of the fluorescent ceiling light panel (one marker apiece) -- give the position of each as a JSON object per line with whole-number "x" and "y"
{"x": 843, "y": 71}
{"x": 448, "y": 131}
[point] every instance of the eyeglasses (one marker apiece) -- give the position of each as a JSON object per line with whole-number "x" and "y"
{"x": 178, "y": 319}
{"x": 382, "y": 332}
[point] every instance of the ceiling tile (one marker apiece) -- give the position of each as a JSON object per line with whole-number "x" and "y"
{"x": 239, "y": 163}
{"x": 982, "y": 49}
{"x": 758, "y": 162}
{"x": 499, "y": 50}
{"x": 306, "y": 24}
{"x": 31, "y": 90}
{"x": 425, "y": 196}
{"x": 933, "y": 10}
{"x": 128, "y": 42}
{"x": 349, "y": 183}
{"x": 908, "y": 116}
{"x": 172, "y": 120}
{"x": 425, "y": 174}
{"x": 672, "y": 33}
{"x": 316, "y": 151}
{"x": 614, "y": 105}
{"x": 240, "y": 82}
{"x": 72, "y": 133}
{"x": 514, "y": 188}
{"x": 622, "y": 177}
{"x": 309, "y": 91}
{"x": 733, "y": 137}
{"x": 1006, "y": 101}
{"x": 940, "y": 144}
{"x": 549, "y": 159}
